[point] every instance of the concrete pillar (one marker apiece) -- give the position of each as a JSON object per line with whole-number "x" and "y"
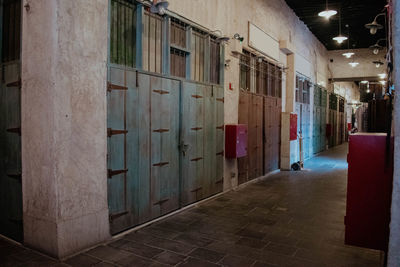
{"x": 394, "y": 241}
{"x": 287, "y": 145}
{"x": 64, "y": 143}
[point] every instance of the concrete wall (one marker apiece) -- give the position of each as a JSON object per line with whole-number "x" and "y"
{"x": 276, "y": 19}
{"x": 64, "y": 145}
{"x": 340, "y": 67}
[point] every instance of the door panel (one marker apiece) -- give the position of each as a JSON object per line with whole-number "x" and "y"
{"x": 10, "y": 153}
{"x": 218, "y": 94}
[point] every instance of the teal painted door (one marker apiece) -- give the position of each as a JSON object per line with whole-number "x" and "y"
{"x": 10, "y": 152}
{"x": 202, "y": 133}
{"x": 143, "y": 147}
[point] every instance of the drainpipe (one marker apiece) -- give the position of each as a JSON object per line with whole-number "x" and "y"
{"x": 394, "y": 240}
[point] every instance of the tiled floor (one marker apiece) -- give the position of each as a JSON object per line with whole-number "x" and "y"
{"x": 289, "y": 219}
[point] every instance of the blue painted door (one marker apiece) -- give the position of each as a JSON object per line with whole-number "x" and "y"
{"x": 10, "y": 152}
{"x": 143, "y": 147}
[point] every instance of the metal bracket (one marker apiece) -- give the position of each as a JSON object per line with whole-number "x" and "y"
{"x": 161, "y": 202}
{"x": 197, "y": 96}
{"x": 111, "y": 132}
{"x": 16, "y": 176}
{"x": 220, "y": 99}
{"x": 220, "y": 127}
{"x": 15, "y": 84}
{"x": 220, "y": 153}
{"x": 196, "y": 190}
{"x": 112, "y": 217}
{"x": 14, "y": 130}
{"x": 161, "y": 130}
{"x": 196, "y": 128}
{"x": 160, "y": 164}
{"x": 161, "y": 92}
{"x": 111, "y": 87}
{"x": 219, "y": 181}
{"x": 111, "y": 173}
{"x": 196, "y": 159}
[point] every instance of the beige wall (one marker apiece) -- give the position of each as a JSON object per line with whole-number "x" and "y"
{"x": 64, "y": 141}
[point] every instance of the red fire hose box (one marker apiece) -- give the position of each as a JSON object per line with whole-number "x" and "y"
{"x": 293, "y": 126}
{"x": 235, "y": 140}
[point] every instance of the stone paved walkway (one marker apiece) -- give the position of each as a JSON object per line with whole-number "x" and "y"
{"x": 288, "y": 219}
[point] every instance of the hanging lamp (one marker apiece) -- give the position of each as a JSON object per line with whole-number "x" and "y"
{"x": 348, "y": 54}
{"x": 340, "y": 38}
{"x": 327, "y": 13}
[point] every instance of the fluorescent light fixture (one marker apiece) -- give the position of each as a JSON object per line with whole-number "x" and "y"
{"x": 348, "y": 54}
{"x": 364, "y": 81}
{"x": 353, "y": 64}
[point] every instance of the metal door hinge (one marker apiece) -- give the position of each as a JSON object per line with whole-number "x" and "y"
{"x": 196, "y": 190}
{"x": 197, "y": 96}
{"x": 111, "y": 173}
{"x": 160, "y": 164}
{"x": 15, "y": 84}
{"x": 16, "y": 176}
{"x": 196, "y": 159}
{"x": 161, "y": 92}
{"x": 196, "y": 128}
{"x": 220, "y": 127}
{"x": 111, "y": 132}
{"x": 219, "y": 181}
{"x": 220, "y": 153}
{"x": 114, "y": 216}
{"x": 111, "y": 87}
{"x": 14, "y": 130}
{"x": 161, "y": 202}
{"x": 161, "y": 130}
{"x": 220, "y": 99}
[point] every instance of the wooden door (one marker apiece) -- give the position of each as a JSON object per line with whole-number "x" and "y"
{"x": 244, "y": 103}
{"x": 143, "y": 147}
{"x": 10, "y": 152}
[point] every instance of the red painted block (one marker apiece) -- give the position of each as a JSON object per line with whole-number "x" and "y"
{"x": 293, "y": 126}
{"x": 369, "y": 191}
{"x": 235, "y": 140}
{"x": 349, "y": 126}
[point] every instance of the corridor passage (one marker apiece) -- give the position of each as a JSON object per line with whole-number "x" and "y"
{"x": 288, "y": 219}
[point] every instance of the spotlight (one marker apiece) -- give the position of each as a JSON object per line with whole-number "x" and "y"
{"x": 159, "y": 7}
{"x": 238, "y": 37}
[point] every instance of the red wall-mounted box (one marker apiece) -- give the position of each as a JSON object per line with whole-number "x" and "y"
{"x": 349, "y": 126}
{"x": 328, "y": 130}
{"x": 369, "y": 191}
{"x": 235, "y": 140}
{"x": 293, "y": 126}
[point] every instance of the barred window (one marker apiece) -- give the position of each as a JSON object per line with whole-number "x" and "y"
{"x": 152, "y": 42}
{"x": 123, "y": 33}
{"x": 178, "y": 63}
{"x": 11, "y": 37}
{"x": 215, "y": 55}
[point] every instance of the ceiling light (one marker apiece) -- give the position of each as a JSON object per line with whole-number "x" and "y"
{"x": 382, "y": 75}
{"x": 368, "y": 90}
{"x": 378, "y": 63}
{"x": 383, "y": 82}
{"x": 340, "y": 38}
{"x": 327, "y": 13}
{"x": 364, "y": 81}
{"x": 159, "y": 7}
{"x": 353, "y": 64}
{"x": 374, "y": 26}
{"x": 348, "y": 54}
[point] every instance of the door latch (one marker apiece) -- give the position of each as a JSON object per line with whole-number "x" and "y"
{"x": 183, "y": 147}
